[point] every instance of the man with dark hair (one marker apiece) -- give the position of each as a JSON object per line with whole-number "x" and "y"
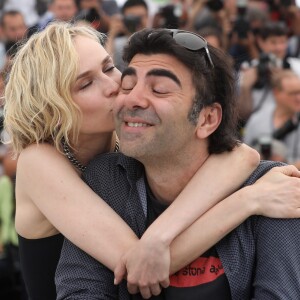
{"x": 13, "y": 32}
{"x": 14, "y": 29}
{"x": 255, "y": 91}
{"x": 176, "y": 107}
{"x": 281, "y": 122}
{"x": 134, "y": 17}
{"x": 58, "y": 10}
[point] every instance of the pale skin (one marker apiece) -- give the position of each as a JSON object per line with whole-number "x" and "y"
{"x": 64, "y": 203}
{"x": 52, "y": 198}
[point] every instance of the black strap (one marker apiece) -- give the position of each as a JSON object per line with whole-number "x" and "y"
{"x": 297, "y": 52}
{"x": 286, "y": 128}
{"x": 262, "y": 99}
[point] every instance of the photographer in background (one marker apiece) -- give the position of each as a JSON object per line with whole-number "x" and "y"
{"x": 254, "y": 86}
{"x": 250, "y": 18}
{"x": 279, "y": 123}
{"x": 214, "y": 14}
{"x": 14, "y": 30}
{"x": 59, "y": 10}
{"x": 97, "y": 13}
{"x": 134, "y": 17}
{"x": 174, "y": 15}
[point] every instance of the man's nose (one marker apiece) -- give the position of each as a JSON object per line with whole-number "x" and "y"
{"x": 137, "y": 98}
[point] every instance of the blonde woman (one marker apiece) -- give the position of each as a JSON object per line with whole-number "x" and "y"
{"x": 58, "y": 113}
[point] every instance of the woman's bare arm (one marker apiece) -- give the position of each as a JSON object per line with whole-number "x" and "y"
{"x": 212, "y": 183}
{"x": 47, "y": 179}
{"x": 274, "y": 195}
{"x": 219, "y": 177}
{"x": 76, "y": 211}
{"x": 50, "y": 182}
{"x": 279, "y": 185}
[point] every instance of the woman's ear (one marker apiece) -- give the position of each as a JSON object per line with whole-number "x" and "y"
{"x": 209, "y": 120}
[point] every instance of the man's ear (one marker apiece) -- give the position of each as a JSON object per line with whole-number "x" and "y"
{"x": 209, "y": 120}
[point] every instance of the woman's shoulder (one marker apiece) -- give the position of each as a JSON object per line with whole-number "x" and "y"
{"x": 38, "y": 149}
{"x": 38, "y": 154}
{"x": 39, "y": 164}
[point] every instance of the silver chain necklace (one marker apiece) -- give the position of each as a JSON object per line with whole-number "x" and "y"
{"x": 75, "y": 162}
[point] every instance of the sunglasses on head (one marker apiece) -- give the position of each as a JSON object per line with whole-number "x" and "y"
{"x": 191, "y": 41}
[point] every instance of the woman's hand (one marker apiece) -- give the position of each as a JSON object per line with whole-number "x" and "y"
{"x": 146, "y": 267}
{"x": 277, "y": 193}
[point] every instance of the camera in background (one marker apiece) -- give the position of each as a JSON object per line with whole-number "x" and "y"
{"x": 271, "y": 149}
{"x": 215, "y": 5}
{"x": 264, "y": 65}
{"x": 241, "y": 24}
{"x": 170, "y": 16}
{"x": 132, "y": 22}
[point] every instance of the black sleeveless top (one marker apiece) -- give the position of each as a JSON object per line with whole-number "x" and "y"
{"x": 39, "y": 258}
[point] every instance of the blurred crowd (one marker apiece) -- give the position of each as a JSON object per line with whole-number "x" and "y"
{"x": 262, "y": 37}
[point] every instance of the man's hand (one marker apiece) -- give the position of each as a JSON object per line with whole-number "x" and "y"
{"x": 146, "y": 267}
{"x": 278, "y": 193}
{"x": 248, "y": 77}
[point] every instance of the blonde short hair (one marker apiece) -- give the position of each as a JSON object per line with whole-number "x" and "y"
{"x": 38, "y": 104}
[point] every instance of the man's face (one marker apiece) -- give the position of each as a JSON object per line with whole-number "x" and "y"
{"x": 14, "y": 27}
{"x": 274, "y": 44}
{"x": 151, "y": 110}
{"x": 64, "y": 10}
{"x": 88, "y": 4}
{"x": 288, "y": 97}
{"x": 138, "y": 11}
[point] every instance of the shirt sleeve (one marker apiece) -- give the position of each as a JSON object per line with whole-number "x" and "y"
{"x": 79, "y": 276}
{"x": 277, "y": 270}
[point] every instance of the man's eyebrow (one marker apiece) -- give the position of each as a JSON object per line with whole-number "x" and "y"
{"x": 164, "y": 73}
{"x": 128, "y": 72}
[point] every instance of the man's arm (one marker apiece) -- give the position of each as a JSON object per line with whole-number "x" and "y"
{"x": 79, "y": 276}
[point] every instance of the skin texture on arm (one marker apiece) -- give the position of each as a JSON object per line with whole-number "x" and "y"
{"x": 275, "y": 195}
{"x": 205, "y": 185}
{"x": 232, "y": 211}
{"x": 51, "y": 183}
{"x": 77, "y": 212}
{"x": 46, "y": 178}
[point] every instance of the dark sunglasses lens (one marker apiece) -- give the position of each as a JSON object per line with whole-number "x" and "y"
{"x": 189, "y": 41}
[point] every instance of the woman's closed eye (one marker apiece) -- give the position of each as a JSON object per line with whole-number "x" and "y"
{"x": 109, "y": 69}
{"x": 86, "y": 84}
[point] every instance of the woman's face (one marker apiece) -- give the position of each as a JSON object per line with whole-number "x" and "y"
{"x": 96, "y": 86}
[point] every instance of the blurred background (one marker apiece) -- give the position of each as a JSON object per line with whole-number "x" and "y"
{"x": 262, "y": 38}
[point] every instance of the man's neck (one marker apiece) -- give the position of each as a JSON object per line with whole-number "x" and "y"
{"x": 167, "y": 179}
